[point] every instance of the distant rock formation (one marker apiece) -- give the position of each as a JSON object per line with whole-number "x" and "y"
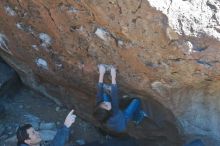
{"x": 192, "y": 18}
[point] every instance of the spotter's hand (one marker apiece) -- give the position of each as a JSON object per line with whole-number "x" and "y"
{"x": 70, "y": 119}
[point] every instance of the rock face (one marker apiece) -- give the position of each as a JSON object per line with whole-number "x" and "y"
{"x": 167, "y": 53}
{"x": 192, "y": 18}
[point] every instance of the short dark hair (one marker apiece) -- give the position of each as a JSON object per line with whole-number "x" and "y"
{"x": 102, "y": 115}
{"x": 22, "y": 134}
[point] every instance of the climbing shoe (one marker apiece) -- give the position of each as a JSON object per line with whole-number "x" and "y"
{"x": 140, "y": 117}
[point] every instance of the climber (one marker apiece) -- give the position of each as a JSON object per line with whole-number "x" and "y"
{"x": 27, "y": 136}
{"x": 113, "y": 120}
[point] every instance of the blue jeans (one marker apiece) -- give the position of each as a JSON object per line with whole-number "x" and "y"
{"x": 196, "y": 142}
{"x": 132, "y": 111}
{"x": 106, "y": 97}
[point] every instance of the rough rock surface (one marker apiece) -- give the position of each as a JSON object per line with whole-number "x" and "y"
{"x": 55, "y": 46}
{"x": 193, "y": 18}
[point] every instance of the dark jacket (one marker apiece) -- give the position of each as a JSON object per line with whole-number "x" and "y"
{"x": 116, "y": 122}
{"x": 60, "y": 138}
